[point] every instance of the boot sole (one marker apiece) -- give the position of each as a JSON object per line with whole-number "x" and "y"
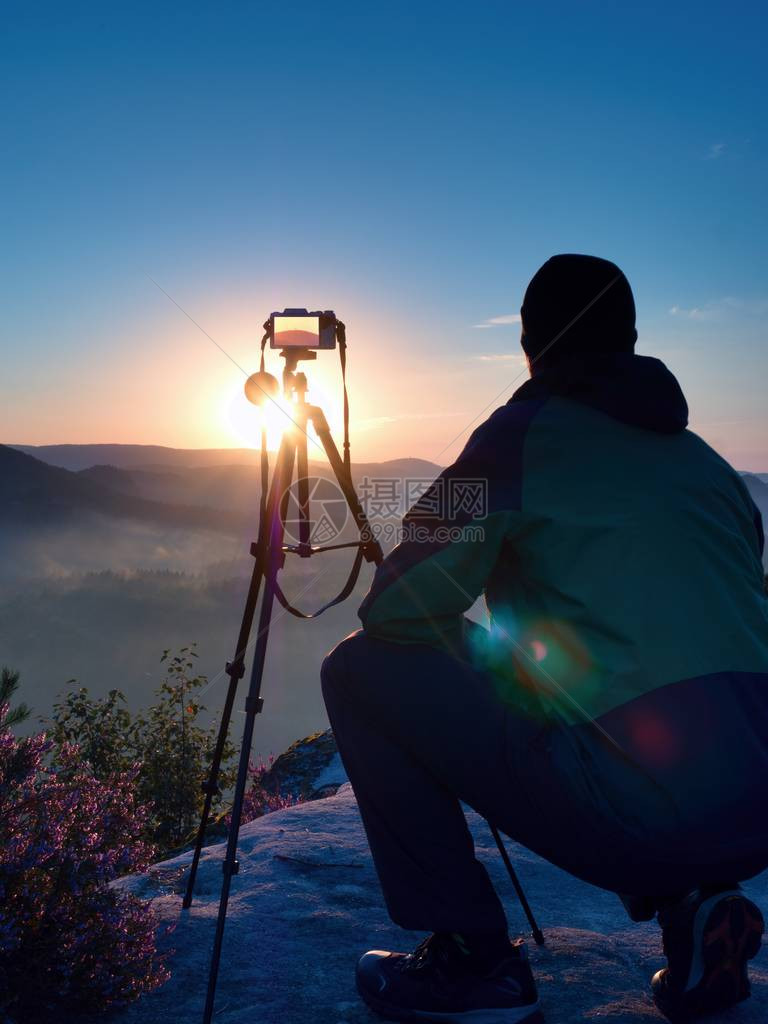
{"x": 727, "y": 934}
{"x": 530, "y": 1014}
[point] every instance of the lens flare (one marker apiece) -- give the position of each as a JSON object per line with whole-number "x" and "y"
{"x": 275, "y": 417}
{"x": 539, "y": 650}
{"x": 655, "y": 738}
{"x": 246, "y": 421}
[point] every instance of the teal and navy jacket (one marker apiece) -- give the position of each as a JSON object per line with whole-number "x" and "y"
{"x": 620, "y": 559}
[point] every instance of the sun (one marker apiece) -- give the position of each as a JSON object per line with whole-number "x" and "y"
{"x": 244, "y": 422}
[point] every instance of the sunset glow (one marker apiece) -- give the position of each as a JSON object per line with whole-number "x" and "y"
{"x": 243, "y": 422}
{"x": 132, "y": 304}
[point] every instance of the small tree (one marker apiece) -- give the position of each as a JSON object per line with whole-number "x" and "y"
{"x": 69, "y": 944}
{"x": 176, "y": 752}
{"x": 102, "y": 728}
{"x": 9, "y": 684}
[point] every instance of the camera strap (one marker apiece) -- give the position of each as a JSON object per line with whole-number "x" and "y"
{"x": 264, "y": 452}
{"x": 341, "y": 337}
{"x": 354, "y": 573}
{"x": 342, "y": 595}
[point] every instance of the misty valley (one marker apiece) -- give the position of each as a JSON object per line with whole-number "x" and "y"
{"x": 103, "y": 567}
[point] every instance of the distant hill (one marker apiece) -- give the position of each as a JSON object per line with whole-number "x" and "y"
{"x": 236, "y": 486}
{"x": 110, "y": 477}
{"x": 757, "y": 483}
{"x": 216, "y": 478}
{"x": 194, "y": 519}
{"x": 212, "y": 479}
{"x": 758, "y": 488}
{"x": 177, "y": 486}
{"x": 136, "y": 456}
{"x": 35, "y": 493}
{"x": 153, "y": 457}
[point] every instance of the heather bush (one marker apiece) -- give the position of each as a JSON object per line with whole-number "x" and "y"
{"x": 69, "y": 944}
{"x": 262, "y": 795}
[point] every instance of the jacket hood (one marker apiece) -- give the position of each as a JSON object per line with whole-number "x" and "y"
{"x": 637, "y": 390}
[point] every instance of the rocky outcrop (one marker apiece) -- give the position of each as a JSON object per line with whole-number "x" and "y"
{"x": 306, "y": 903}
{"x": 309, "y": 769}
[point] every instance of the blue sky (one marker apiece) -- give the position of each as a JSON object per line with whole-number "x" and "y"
{"x": 409, "y": 165}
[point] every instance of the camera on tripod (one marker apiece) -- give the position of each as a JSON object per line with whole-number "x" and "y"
{"x": 297, "y": 334}
{"x": 298, "y": 328}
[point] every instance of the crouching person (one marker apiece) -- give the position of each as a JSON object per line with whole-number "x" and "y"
{"x": 613, "y": 719}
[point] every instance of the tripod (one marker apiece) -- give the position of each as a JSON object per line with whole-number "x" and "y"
{"x": 269, "y": 555}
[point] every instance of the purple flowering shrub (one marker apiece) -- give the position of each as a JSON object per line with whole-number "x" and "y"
{"x": 68, "y": 942}
{"x": 166, "y": 740}
{"x": 262, "y": 795}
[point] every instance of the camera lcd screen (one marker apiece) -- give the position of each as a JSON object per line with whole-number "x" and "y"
{"x": 296, "y": 332}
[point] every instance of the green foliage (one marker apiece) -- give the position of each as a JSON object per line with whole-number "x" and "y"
{"x": 172, "y": 749}
{"x": 102, "y": 729}
{"x": 176, "y": 752}
{"x": 9, "y": 683}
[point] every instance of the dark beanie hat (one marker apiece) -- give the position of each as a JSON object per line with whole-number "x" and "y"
{"x": 583, "y": 302}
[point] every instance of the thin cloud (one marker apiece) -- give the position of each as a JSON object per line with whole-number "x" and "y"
{"x": 374, "y": 422}
{"x": 499, "y": 321}
{"x": 694, "y": 312}
{"x": 715, "y": 151}
{"x": 498, "y": 357}
{"x": 730, "y": 305}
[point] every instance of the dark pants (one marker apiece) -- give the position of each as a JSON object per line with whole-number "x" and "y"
{"x": 420, "y": 731}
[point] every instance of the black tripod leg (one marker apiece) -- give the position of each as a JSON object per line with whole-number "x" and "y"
{"x": 538, "y": 935}
{"x": 235, "y": 670}
{"x": 273, "y": 537}
{"x": 302, "y": 486}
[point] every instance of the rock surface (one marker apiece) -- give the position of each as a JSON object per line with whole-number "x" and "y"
{"x": 306, "y": 904}
{"x": 308, "y": 770}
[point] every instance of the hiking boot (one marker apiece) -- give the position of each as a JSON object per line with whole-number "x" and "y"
{"x": 442, "y": 980}
{"x": 709, "y": 936}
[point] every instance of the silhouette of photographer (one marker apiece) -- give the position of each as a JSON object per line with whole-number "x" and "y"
{"x": 613, "y": 718}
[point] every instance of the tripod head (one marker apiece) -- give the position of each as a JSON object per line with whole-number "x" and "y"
{"x": 293, "y": 356}
{"x": 295, "y": 383}
{"x": 262, "y": 387}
